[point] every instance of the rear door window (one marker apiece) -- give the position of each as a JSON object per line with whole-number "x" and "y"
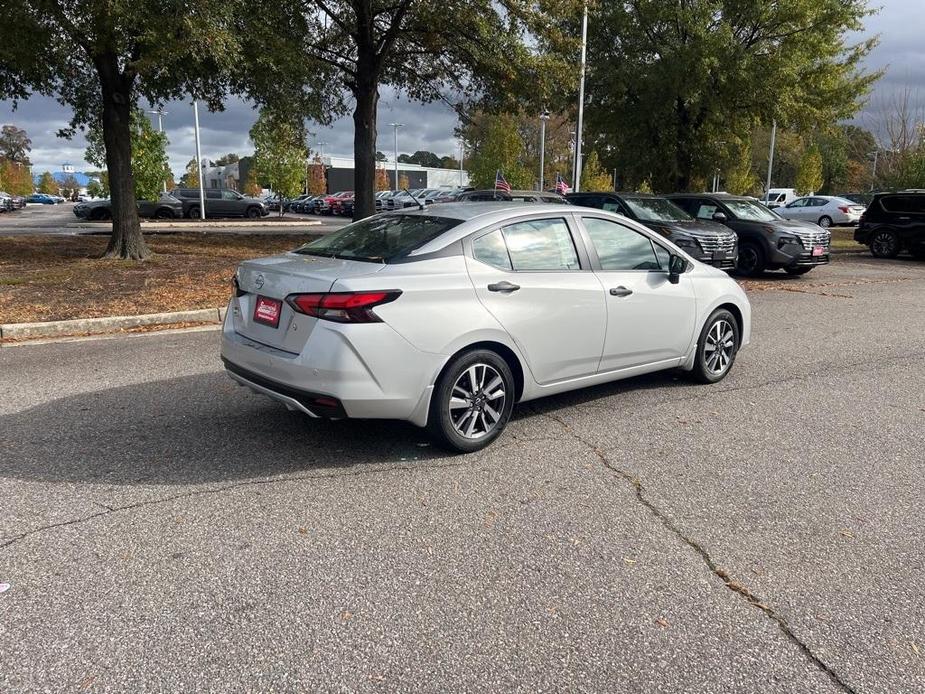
{"x": 491, "y": 250}
{"x": 541, "y": 244}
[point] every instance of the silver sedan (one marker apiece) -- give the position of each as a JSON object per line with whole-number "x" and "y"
{"x": 824, "y": 210}
{"x": 447, "y": 317}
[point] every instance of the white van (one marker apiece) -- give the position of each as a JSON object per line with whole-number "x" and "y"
{"x": 778, "y": 197}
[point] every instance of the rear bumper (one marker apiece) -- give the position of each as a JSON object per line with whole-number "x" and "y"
{"x": 369, "y": 370}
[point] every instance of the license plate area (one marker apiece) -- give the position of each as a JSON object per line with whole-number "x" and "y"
{"x": 267, "y": 311}
{"x": 818, "y": 251}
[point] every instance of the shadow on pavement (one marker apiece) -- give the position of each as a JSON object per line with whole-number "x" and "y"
{"x": 205, "y": 429}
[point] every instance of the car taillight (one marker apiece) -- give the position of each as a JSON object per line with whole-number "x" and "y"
{"x": 845, "y": 209}
{"x": 342, "y": 307}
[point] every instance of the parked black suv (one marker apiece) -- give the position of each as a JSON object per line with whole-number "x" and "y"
{"x": 706, "y": 240}
{"x": 766, "y": 240}
{"x": 894, "y": 222}
{"x": 220, "y": 202}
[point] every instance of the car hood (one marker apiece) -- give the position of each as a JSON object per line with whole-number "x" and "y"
{"x": 785, "y": 224}
{"x": 693, "y": 227}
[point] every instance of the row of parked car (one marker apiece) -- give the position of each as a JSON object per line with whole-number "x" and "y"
{"x": 179, "y": 203}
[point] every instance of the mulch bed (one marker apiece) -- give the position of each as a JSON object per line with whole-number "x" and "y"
{"x": 45, "y": 278}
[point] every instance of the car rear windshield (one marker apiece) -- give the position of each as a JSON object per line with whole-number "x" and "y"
{"x": 656, "y": 210}
{"x": 746, "y": 209}
{"x": 380, "y": 239}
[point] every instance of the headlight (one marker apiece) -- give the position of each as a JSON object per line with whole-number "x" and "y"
{"x": 788, "y": 240}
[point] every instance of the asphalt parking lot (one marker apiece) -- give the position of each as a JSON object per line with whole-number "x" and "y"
{"x": 164, "y": 530}
{"x": 60, "y": 220}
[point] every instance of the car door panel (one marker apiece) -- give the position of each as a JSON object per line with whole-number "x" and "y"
{"x": 649, "y": 319}
{"x": 557, "y": 318}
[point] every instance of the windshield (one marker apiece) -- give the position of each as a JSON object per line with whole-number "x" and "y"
{"x": 656, "y": 210}
{"x": 380, "y": 239}
{"x": 746, "y": 209}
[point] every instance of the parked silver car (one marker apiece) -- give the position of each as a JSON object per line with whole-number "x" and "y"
{"x": 824, "y": 210}
{"x": 447, "y": 316}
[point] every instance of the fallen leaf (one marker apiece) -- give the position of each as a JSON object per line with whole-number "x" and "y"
{"x": 629, "y": 561}
{"x": 346, "y": 616}
{"x": 662, "y": 622}
{"x": 846, "y": 533}
{"x": 915, "y": 649}
{"x": 303, "y": 531}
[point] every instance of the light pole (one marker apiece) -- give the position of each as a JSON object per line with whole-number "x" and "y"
{"x": 202, "y": 190}
{"x": 544, "y": 116}
{"x": 873, "y": 180}
{"x": 395, "y": 127}
{"x": 581, "y": 100}
{"x": 767, "y": 188}
{"x": 160, "y": 128}
{"x": 462, "y": 156}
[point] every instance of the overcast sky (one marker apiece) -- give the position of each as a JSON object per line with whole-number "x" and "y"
{"x": 430, "y": 127}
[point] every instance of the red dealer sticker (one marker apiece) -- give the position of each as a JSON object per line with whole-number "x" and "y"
{"x": 267, "y": 311}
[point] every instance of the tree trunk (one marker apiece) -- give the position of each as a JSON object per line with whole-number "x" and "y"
{"x": 126, "y": 241}
{"x": 366, "y": 93}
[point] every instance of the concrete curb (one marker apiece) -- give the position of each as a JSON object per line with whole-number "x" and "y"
{"x": 108, "y": 324}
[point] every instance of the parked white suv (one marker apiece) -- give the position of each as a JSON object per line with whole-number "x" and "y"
{"x": 447, "y": 316}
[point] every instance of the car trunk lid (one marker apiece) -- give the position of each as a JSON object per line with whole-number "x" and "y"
{"x": 277, "y": 277}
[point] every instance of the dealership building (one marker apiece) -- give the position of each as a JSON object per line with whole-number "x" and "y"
{"x": 339, "y": 174}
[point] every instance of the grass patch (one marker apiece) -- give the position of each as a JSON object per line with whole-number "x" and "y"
{"x": 843, "y": 240}
{"x": 45, "y": 278}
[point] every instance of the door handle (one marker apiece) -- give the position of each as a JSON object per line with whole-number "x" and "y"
{"x": 503, "y": 287}
{"x": 621, "y": 291}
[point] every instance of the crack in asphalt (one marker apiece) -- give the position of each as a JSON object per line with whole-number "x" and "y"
{"x": 10, "y": 540}
{"x": 728, "y": 581}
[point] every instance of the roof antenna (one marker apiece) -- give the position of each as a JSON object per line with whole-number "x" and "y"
{"x": 420, "y": 204}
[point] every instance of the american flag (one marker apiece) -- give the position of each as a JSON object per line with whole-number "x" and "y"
{"x": 561, "y": 186}
{"x": 500, "y": 183}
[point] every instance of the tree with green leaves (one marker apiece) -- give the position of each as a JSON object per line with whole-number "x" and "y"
{"x": 809, "y": 175}
{"x": 100, "y": 56}
{"x": 740, "y": 176}
{"x": 47, "y": 184}
{"x": 190, "y": 177}
{"x": 496, "y": 144}
{"x": 149, "y": 165}
{"x": 672, "y": 84}
{"x": 15, "y": 144}
{"x": 593, "y": 177}
{"x": 329, "y": 54}
{"x": 279, "y": 152}
{"x": 425, "y": 158}
{"x": 95, "y": 189}
{"x": 230, "y": 158}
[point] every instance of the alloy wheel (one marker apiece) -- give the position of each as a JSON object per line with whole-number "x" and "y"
{"x": 477, "y": 401}
{"x": 719, "y": 347}
{"x": 884, "y": 245}
{"x": 825, "y": 222}
{"x": 748, "y": 259}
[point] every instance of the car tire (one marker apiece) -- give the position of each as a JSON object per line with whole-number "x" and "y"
{"x": 825, "y": 222}
{"x": 720, "y": 336}
{"x": 885, "y": 244}
{"x": 751, "y": 260}
{"x": 455, "y": 392}
{"x": 253, "y": 212}
{"x": 918, "y": 253}
{"x": 193, "y": 212}
{"x": 797, "y": 270}
{"x": 164, "y": 213}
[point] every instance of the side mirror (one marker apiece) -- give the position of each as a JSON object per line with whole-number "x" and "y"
{"x": 719, "y": 217}
{"x": 676, "y": 265}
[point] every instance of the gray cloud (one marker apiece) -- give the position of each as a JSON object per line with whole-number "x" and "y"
{"x": 430, "y": 126}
